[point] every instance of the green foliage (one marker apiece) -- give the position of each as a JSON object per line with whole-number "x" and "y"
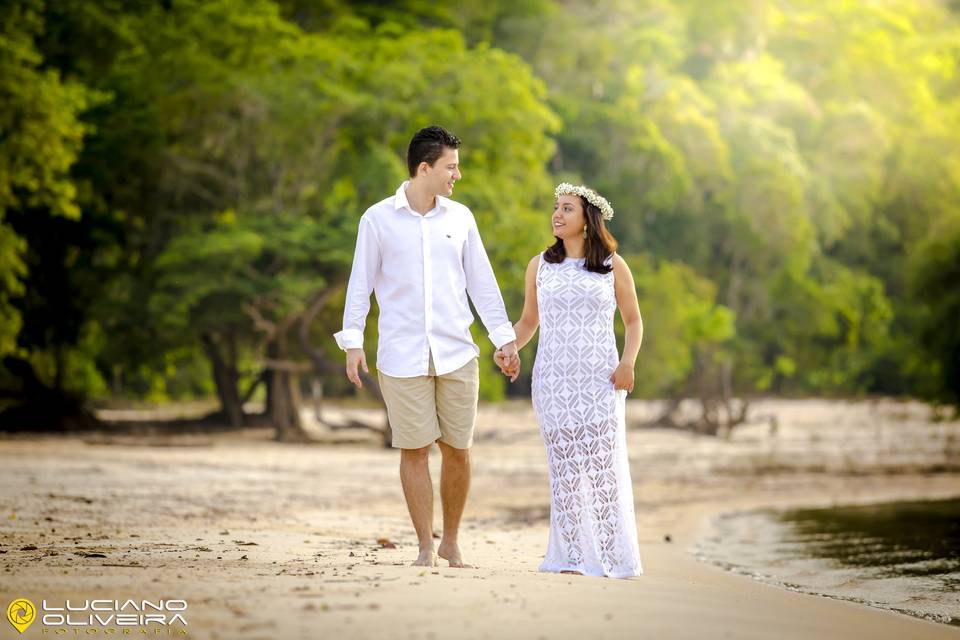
{"x": 41, "y": 132}
{"x": 935, "y": 282}
{"x": 269, "y": 156}
{"x": 786, "y": 176}
{"x": 680, "y": 319}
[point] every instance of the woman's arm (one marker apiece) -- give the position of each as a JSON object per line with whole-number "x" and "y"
{"x": 526, "y": 327}
{"x": 626, "y": 293}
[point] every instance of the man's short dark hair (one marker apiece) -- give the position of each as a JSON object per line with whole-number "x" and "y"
{"x": 428, "y": 145}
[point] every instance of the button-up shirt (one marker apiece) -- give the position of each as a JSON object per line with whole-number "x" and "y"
{"x": 421, "y": 268}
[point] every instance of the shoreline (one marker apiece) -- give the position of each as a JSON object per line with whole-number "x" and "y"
{"x": 715, "y": 548}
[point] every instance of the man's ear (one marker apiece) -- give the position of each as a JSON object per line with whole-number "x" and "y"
{"x": 422, "y": 168}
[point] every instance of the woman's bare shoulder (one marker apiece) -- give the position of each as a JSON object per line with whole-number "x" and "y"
{"x": 619, "y": 262}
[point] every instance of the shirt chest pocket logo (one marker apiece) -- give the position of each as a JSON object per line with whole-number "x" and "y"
{"x": 451, "y": 238}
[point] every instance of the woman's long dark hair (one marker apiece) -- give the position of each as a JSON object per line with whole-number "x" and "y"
{"x": 598, "y": 246}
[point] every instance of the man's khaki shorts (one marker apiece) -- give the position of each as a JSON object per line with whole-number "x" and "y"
{"x": 428, "y": 408}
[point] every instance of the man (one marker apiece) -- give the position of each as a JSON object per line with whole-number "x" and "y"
{"x": 421, "y": 253}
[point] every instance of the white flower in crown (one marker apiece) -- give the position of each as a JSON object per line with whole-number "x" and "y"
{"x": 594, "y": 198}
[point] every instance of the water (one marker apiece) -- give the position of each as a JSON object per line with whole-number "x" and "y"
{"x": 902, "y": 556}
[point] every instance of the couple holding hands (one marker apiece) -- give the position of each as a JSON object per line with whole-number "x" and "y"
{"x": 421, "y": 253}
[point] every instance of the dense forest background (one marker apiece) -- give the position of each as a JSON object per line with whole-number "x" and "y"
{"x": 181, "y": 181}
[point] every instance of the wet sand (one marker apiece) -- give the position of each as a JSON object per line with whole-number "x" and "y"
{"x": 266, "y": 540}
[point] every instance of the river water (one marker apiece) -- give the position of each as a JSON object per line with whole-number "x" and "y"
{"x": 902, "y": 556}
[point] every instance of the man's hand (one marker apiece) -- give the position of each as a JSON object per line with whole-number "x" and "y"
{"x": 507, "y": 367}
{"x": 501, "y": 361}
{"x": 355, "y": 359}
{"x": 508, "y": 360}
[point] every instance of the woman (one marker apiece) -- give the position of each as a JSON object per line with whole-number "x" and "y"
{"x": 580, "y": 386}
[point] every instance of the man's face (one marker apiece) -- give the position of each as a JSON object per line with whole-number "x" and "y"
{"x": 444, "y": 172}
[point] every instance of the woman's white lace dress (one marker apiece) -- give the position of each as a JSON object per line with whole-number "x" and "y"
{"x": 581, "y": 417}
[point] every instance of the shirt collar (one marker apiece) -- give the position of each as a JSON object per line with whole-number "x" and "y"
{"x": 400, "y": 202}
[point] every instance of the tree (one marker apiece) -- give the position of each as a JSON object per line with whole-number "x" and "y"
{"x": 42, "y": 132}
{"x": 935, "y": 281}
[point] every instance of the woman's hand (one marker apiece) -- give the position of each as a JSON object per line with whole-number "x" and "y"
{"x": 622, "y": 377}
{"x": 509, "y": 366}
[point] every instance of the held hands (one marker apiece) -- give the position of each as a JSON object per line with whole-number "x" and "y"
{"x": 622, "y": 377}
{"x": 355, "y": 359}
{"x": 508, "y": 360}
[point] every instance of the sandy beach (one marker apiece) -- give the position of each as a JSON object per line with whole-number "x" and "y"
{"x": 267, "y": 540}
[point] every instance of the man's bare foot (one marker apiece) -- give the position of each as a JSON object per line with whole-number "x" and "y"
{"x": 451, "y": 553}
{"x": 427, "y": 558}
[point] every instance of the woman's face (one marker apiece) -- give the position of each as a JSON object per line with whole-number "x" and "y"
{"x": 568, "y": 217}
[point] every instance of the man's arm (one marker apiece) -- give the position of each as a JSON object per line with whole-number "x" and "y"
{"x": 483, "y": 290}
{"x": 485, "y": 294}
{"x": 366, "y": 264}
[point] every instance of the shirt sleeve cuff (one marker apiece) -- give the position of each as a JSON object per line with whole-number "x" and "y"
{"x": 503, "y": 335}
{"x": 349, "y": 339}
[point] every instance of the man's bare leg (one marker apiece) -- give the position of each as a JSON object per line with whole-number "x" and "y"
{"x": 454, "y": 485}
{"x": 418, "y": 491}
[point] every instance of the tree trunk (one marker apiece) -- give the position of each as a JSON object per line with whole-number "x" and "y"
{"x": 59, "y": 364}
{"x": 710, "y": 381}
{"x": 283, "y": 394}
{"x": 225, "y": 378}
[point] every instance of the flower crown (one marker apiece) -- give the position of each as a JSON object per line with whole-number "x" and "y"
{"x": 591, "y": 196}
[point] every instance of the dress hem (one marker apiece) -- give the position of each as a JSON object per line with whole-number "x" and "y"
{"x": 617, "y": 574}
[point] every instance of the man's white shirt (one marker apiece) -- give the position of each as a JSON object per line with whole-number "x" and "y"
{"x": 421, "y": 268}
